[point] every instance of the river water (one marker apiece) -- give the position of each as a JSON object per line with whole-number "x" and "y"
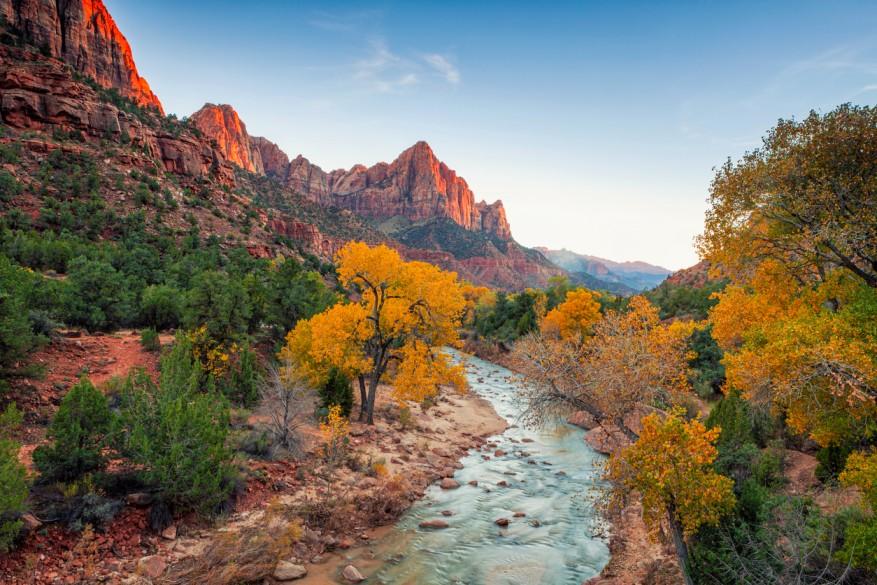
{"x": 551, "y": 477}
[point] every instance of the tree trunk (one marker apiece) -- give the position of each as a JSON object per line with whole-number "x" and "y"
{"x": 372, "y": 395}
{"x": 679, "y": 543}
{"x": 363, "y": 398}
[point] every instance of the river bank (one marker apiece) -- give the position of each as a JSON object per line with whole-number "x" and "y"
{"x": 341, "y": 510}
{"x": 523, "y": 511}
{"x": 635, "y": 557}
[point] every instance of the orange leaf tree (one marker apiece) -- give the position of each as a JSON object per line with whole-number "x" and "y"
{"x": 671, "y": 467}
{"x": 399, "y": 317}
{"x": 574, "y": 318}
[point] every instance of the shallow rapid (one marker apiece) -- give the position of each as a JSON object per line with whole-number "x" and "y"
{"x": 551, "y": 477}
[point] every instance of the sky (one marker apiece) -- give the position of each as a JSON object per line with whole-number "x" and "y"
{"x": 598, "y": 124}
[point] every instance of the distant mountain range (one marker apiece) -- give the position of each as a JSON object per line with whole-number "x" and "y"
{"x": 600, "y": 273}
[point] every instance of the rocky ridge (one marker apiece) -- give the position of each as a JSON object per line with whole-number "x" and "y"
{"x": 68, "y": 80}
{"x": 84, "y": 35}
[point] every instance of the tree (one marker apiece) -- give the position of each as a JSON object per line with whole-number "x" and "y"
{"x": 670, "y": 467}
{"x": 288, "y": 399}
{"x": 160, "y": 307}
{"x": 99, "y": 297}
{"x": 17, "y": 338}
{"x": 218, "y": 302}
{"x": 401, "y": 315}
{"x": 78, "y": 433}
{"x": 809, "y": 351}
{"x": 13, "y": 484}
{"x": 631, "y": 359}
{"x": 294, "y": 294}
{"x": 574, "y": 318}
{"x": 806, "y": 199}
{"x": 176, "y": 433}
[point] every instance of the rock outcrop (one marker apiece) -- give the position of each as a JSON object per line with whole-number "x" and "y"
{"x": 40, "y": 94}
{"x": 416, "y": 186}
{"x": 222, "y": 124}
{"x": 84, "y": 35}
{"x": 274, "y": 161}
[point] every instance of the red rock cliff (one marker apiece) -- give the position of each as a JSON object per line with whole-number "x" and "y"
{"x": 417, "y": 185}
{"x": 82, "y": 33}
{"x": 274, "y": 161}
{"x": 222, "y": 124}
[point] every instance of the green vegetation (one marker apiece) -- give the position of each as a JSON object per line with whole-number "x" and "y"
{"x": 176, "y": 431}
{"x": 13, "y": 484}
{"x": 336, "y": 391}
{"x": 78, "y": 435}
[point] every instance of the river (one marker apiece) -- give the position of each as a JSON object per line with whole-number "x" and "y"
{"x": 551, "y": 477}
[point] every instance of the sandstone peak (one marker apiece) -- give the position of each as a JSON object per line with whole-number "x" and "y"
{"x": 274, "y": 160}
{"x": 222, "y": 124}
{"x": 83, "y": 34}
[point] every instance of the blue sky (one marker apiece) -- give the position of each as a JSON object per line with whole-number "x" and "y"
{"x": 598, "y": 124}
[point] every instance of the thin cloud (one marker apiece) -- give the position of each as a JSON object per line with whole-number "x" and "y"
{"x": 444, "y": 67}
{"x": 342, "y": 22}
{"x": 383, "y": 71}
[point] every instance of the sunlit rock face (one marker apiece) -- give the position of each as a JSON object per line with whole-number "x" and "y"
{"x": 83, "y": 34}
{"x": 416, "y": 186}
{"x": 222, "y": 124}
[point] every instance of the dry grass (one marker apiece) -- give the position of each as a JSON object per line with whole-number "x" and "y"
{"x": 241, "y": 556}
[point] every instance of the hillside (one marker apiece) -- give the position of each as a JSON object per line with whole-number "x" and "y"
{"x": 68, "y": 83}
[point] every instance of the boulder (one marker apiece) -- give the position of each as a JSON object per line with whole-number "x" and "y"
{"x": 449, "y": 484}
{"x": 352, "y": 574}
{"x": 289, "y": 571}
{"x": 433, "y": 524}
{"x": 152, "y": 566}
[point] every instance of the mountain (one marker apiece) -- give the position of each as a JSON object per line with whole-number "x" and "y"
{"x": 696, "y": 276}
{"x": 84, "y": 35}
{"x": 416, "y": 186}
{"x": 70, "y": 92}
{"x": 636, "y": 275}
{"x": 223, "y": 125}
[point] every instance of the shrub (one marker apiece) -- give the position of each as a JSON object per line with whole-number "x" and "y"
{"x": 241, "y": 384}
{"x": 336, "y": 391}
{"x": 160, "y": 307}
{"x": 9, "y": 186}
{"x": 178, "y": 434}
{"x": 218, "y": 302}
{"x": 78, "y": 434}
{"x": 149, "y": 340}
{"x": 13, "y": 485}
{"x": 101, "y": 297}
{"x": 17, "y": 337}
{"x": 860, "y": 544}
{"x": 335, "y": 431}
{"x": 288, "y": 399}
{"x": 832, "y": 460}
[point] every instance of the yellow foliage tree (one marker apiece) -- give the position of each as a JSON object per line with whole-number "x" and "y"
{"x": 573, "y": 319}
{"x": 670, "y": 467}
{"x": 807, "y": 350}
{"x": 399, "y": 317}
{"x": 630, "y": 360}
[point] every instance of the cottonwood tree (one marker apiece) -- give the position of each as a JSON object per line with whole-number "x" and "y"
{"x": 574, "y": 318}
{"x": 670, "y": 467}
{"x": 806, "y": 199}
{"x": 632, "y": 360}
{"x": 399, "y": 317}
